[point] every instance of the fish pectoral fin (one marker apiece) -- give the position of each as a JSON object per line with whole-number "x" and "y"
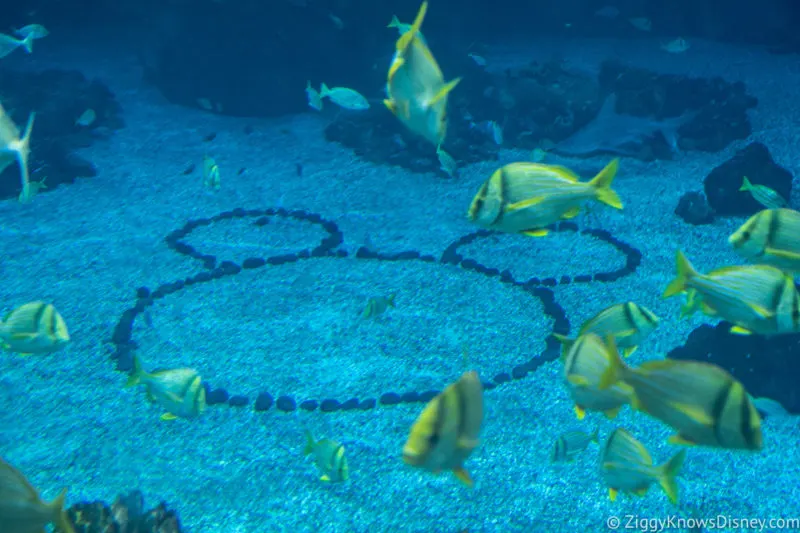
{"x": 625, "y": 333}
{"x": 629, "y": 351}
{"x": 611, "y": 414}
{"x": 463, "y": 476}
{"x": 168, "y": 417}
{"x": 580, "y": 412}
{"x": 761, "y": 311}
{"x": 578, "y": 381}
{"x": 680, "y": 441}
{"x": 739, "y": 330}
{"x": 572, "y": 213}
{"x": 612, "y": 494}
{"x": 693, "y": 412}
{"x": 22, "y": 336}
{"x": 535, "y": 232}
{"x": 516, "y": 206}
{"x": 783, "y": 254}
{"x": 443, "y": 92}
{"x": 396, "y": 65}
{"x": 391, "y": 106}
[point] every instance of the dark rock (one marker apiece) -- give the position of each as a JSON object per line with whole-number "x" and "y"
{"x": 754, "y": 161}
{"x": 766, "y": 366}
{"x": 390, "y": 398}
{"x": 286, "y": 404}
{"x": 264, "y": 401}
{"x": 238, "y": 401}
{"x": 693, "y": 208}
{"x": 217, "y": 396}
{"x": 58, "y": 97}
{"x": 126, "y": 515}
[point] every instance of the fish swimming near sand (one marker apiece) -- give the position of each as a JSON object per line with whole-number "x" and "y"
{"x": 180, "y": 391}
{"x": 770, "y": 237}
{"x": 14, "y": 147}
{"x": 34, "y": 328}
{"x": 629, "y": 323}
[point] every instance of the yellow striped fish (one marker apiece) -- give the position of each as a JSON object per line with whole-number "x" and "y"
{"x": 770, "y": 237}
{"x": 180, "y": 391}
{"x": 627, "y": 467}
{"x": 627, "y": 322}
{"x": 572, "y": 443}
{"x": 22, "y": 510}
{"x": 330, "y": 458}
{"x": 763, "y": 194}
{"x": 34, "y": 328}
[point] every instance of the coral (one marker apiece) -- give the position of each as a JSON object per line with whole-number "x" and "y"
{"x": 125, "y": 515}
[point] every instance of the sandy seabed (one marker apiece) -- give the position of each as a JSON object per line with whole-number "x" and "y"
{"x": 67, "y": 420}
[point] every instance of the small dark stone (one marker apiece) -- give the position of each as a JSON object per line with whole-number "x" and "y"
{"x": 349, "y": 405}
{"x": 224, "y": 215}
{"x": 142, "y": 292}
{"x": 605, "y": 277}
{"x": 428, "y": 395}
{"x": 202, "y": 277}
{"x": 694, "y": 209}
{"x": 341, "y": 253}
{"x": 230, "y": 268}
{"x": 754, "y": 161}
{"x": 253, "y": 262}
{"x": 488, "y": 385}
{"x": 189, "y": 169}
{"x": 264, "y": 401}
{"x": 471, "y": 264}
{"x": 209, "y": 261}
{"x": 427, "y": 258}
{"x": 329, "y": 405}
{"x": 217, "y": 396}
{"x": 309, "y": 405}
{"x": 503, "y": 377}
{"x": 411, "y": 254}
{"x": 239, "y": 212}
{"x": 519, "y": 371}
{"x": 506, "y": 276}
{"x": 282, "y": 259}
{"x": 582, "y": 278}
{"x": 368, "y": 404}
{"x": 183, "y": 248}
{"x": 549, "y": 282}
{"x": 285, "y": 404}
{"x": 390, "y": 398}
{"x": 409, "y": 397}
{"x": 565, "y": 280}
{"x": 238, "y": 401}
{"x": 568, "y": 226}
{"x": 263, "y": 221}
{"x": 451, "y": 255}
{"x": 365, "y": 253}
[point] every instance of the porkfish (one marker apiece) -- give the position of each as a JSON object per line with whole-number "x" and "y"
{"x": 755, "y": 298}
{"x": 770, "y": 237}
{"x": 585, "y": 363}
{"x": 629, "y": 323}
{"x": 22, "y": 510}
{"x": 33, "y": 328}
{"x": 701, "y": 401}
{"x": 179, "y": 391}
{"x": 627, "y": 467}
{"x": 526, "y": 197}
{"x": 446, "y": 432}
{"x": 415, "y": 86}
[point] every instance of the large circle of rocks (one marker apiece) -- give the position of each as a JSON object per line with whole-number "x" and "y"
{"x": 328, "y": 247}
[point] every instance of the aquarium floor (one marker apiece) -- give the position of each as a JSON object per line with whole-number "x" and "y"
{"x": 68, "y": 421}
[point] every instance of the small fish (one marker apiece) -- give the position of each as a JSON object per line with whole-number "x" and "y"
{"x": 447, "y": 163}
{"x": 701, "y": 401}
{"x": 86, "y": 119}
{"x": 402, "y": 27}
{"x": 330, "y": 459}
{"x": 22, "y": 510}
{"x": 526, "y": 197}
{"x": 676, "y": 46}
{"x": 344, "y": 97}
{"x": 417, "y": 92}
{"x": 480, "y": 61}
{"x": 497, "y": 132}
{"x": 609, "y": 12}
{"x": 571, "y": 444}
{"x": 314, "y": 99}
{"x": 641, "y": 23}
{"x": 764, "y": 195}
{"x": 336, "y": 21}
{"x": 35, "y": 31}
{"x": 180, "y": 391}
{"x": 377, "y": 306}
{"x": 755, "y": 298}
{"x": 627, "y": 467}
{"x": 586, "y": 362}
{"x": 8, "y": 44}
{"x": 629, "y": 323}
{"x": 16, "y": 148}
{"x": 770, "y": 237}
{"x": 538, "y": 155}
{"x": 205, "y": 103}
{"x": 211, "y": 177}
{"x": 446, "y": 432}
{"x": 34, "y": 328}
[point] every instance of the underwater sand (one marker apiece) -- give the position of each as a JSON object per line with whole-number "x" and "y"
{"x": 67, "y": 421}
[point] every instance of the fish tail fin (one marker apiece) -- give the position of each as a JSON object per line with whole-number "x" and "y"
{"x": 324, "y": 90}
{"x": 136, "y": 374}
{"x": 602, "y": 185}
{"x": 309, "y": 443}
{"x": 746, "y": 185}
{"x": 395, "y": 22}
{"x": 669, "y": 473}
{"x": 60, "y": 517}
{"x": 27, "y": 43}
{"x": 413, "y": 31}
{"x": 616, "y": 366}
{"x": 23, "y": 150}
{"x": 390, "y": 300}
{"x": 685, "y": 272}
{"x": 443, "y": 92}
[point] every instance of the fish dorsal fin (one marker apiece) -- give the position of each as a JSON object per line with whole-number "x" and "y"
{"x": 405, "y": 40}
{"x": 524, "y": 203}
{"x": 443, "y": 92}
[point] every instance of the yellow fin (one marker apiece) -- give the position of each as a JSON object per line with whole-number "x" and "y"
{"x": 578, "y": 381}
{"x": 680, "y": 441}
{"x": 611, "y": 414}
{"x": 640, "y": 492}
{"x": 405, "y": 40}
{"x": 685, "y": 272}
{"x": 627, "y": 352}
{"x": 168, "y": 416}
{"x": 761, "y": 311}
{"x": 746, "y": 185}
{"x": 443, "y": 92}
{"x": 524, "y": 203}
{"x": 602, "y": 185}
{"x": 394, "y": 67}
{"x": 572, "y": 213}
{"x": 325, "y": 477}
{"x": 783, "y": 254}
{"x": 612, "y": 494}
{"x": 739, "y": 330}
{"x": 693, "y": 412}
{"x": 22, "y": 336}
{"x": 390, "y": 105}
{"x": 668, "y": 474}
{"x": 580, "y": 412}
{"x": 625, "y": 333}
{"x": 535, "y": 232}
{"x": 463, "y": 476}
